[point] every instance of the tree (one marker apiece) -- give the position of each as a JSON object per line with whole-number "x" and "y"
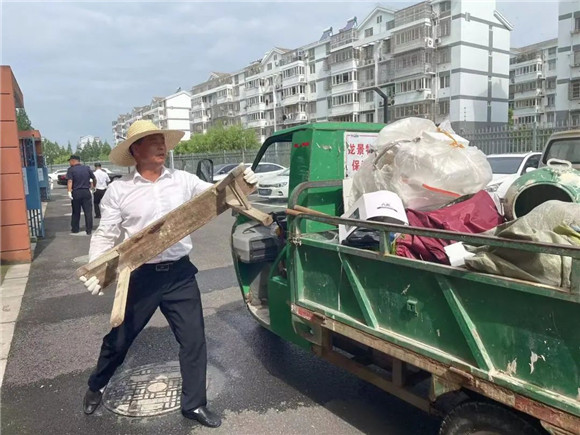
{"x": 22, "y": 120}
{"x": 510, "y": 116}
{"x": 220, "y": 138}
{"x": 69, "y": 148}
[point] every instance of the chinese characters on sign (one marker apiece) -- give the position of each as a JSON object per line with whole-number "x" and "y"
{"x": 358, "y": 146}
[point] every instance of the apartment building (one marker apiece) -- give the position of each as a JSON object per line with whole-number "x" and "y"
{"x": 545, "y": 77}
{"x": 533, "y": 83}
{"x": 171, "y": 112}
{"x": 84, "y": 140}
{"x": 438, "y": 59}
{"x": 568, "y": 64}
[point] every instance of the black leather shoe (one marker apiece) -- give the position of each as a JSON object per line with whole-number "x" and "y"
{"x": 91, "y": 401}
{"x": 204, "y": 416}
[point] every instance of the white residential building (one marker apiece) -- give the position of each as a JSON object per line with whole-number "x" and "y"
{"x": 545, "y": 77}
{"x": 438, "y": 59}
{"x": 84, "y": 140}
{"x": 568, "y": 64}
{"x": 533, "y": 83}
{"x": 171, "y": 112}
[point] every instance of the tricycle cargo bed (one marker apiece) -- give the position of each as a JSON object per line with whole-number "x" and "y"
{"x": 518, "y": 335}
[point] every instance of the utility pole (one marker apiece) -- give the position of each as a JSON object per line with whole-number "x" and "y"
{"x": 385, "y": 98}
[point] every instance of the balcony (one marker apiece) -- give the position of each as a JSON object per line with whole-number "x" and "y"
{"x": 421, "y": 42}
{"x": 366, "y": 62}
{"x": 257, "y": 123}
{"x": 296, "y": 118}
{"x": 294, "y": 80}
{"x": 344, "y": 109}
{"x": 292, "y": 99}
{"x": 343, "y": 38}
{"x": 413, "y": 70}
{"x": 366, "y": 83}
{"x": 344, "y": 87}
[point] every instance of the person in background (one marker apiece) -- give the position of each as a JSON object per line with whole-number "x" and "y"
{"x": 80, "y": 182}
{"x": 103, "y": 181}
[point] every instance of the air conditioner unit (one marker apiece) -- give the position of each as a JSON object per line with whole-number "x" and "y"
{"x": 437, "y": 40}
{"x": 429, "y": 42}
{"x": 302, "y": 97}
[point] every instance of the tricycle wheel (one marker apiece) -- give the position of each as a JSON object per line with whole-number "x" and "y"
{"x": 482, "y": 418}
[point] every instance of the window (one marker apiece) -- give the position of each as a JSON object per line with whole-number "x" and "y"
{"x": 379, "y": 19}
{"x": 444, "y": 81}
{"x": 269, "y": 66}
{"x": 550, "y": 117}
{"x": 390, "y": 24}
{"x": 369, "y": 96}
{"x": 311, "y": 54}
{"x": 313, "y": 87}
{"x": 551, "y": 64}
{"x": 577, "y": 58}
{"x": 370, "y": 117}
{"x": 551, "y": 100}
{"x": 444, "y": 55}
{"x": 444, "y": 107}
{"x": 552, "y": 51}
{"x": 312, "y": 68}
{"x": 445, "y": 28}
{"x": 574, "y": 92}
{"x": 368, "y": 32}
{"x": 445, "y": 6}
{"x": 577, "y": 24}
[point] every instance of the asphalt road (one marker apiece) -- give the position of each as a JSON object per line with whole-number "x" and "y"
{"x": 257, "y": 382}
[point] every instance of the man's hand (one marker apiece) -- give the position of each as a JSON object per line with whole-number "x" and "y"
{"x": 70, "y": 195}
{"x": 250, "y": 177}
{"x": 92, "y": 285}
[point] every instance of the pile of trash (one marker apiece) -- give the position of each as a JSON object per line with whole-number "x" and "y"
{"x": 427, "y": 176}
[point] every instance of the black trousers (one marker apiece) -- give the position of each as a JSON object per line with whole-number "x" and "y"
{"x": 173, "y": 288}
{"x": 97, "y": 196}
{"x": 82, "y": 199}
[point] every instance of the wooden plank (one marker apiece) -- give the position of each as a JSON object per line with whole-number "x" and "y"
{"x": 168, "y": 230}
{"x": 120, "y": 302}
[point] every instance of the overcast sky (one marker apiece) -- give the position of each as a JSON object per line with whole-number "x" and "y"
{"x": 81, "y": 64}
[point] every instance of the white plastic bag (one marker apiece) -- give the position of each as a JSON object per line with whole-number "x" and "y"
{"x": 426, "y": 166}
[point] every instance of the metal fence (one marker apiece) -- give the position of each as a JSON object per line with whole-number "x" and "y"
{"x": 277, "y": 153}
{"x": 511, "y": 139}
{"x": 496, "y": 140}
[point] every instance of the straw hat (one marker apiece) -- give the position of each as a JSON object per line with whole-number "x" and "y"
{"x": 121, "y": 156}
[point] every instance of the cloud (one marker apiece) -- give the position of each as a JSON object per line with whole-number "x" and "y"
{"x": 80, "y": 64}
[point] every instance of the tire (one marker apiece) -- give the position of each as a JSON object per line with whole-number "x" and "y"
{"x": 482, "y": 418}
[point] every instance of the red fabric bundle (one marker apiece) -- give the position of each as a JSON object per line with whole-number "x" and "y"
{"x": 475, "y": 215}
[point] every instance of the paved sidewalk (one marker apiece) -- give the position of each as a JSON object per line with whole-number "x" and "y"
{"x": 12, "y": 287}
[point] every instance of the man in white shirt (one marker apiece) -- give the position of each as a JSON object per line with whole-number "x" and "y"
{"x": 103, "y": 181}
{"x": 167, "y": 281}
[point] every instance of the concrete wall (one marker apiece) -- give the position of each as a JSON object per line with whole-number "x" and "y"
{"x": 14, "y": 233}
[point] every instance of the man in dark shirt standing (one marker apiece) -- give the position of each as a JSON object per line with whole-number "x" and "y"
{"x": 80, "y": 182}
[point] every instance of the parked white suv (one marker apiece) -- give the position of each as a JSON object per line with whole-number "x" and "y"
{"x": 506, "y": 168}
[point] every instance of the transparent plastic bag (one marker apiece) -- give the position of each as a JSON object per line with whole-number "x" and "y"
{"x": 426, "y": 165}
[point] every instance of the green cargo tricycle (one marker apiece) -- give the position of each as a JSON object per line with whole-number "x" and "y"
{"x": 499, "y": 355}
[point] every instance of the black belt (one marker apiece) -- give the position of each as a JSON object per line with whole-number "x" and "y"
{"x": 164, "y": 266}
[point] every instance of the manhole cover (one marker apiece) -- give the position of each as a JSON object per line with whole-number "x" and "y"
{"x": 82, "y": 259}
{"x": 153, "y": 389}
{"x": 144, "y": 391}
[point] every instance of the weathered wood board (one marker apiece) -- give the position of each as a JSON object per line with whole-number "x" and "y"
{"x": 157, "y": 237}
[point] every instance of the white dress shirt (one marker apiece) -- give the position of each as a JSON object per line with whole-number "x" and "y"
{"x": 102, "y": 179}
{"x": 132, "y": 202}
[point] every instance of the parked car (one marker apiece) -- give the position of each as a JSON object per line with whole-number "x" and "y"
{"x": 506, "y": 168}
{"x": 61, "y": 178}
{"x": 563, "y": 145}
{"x": 53, "y": 176}
{"x": 112, "y": 175}
{"x": 263, "y": 170}
{"x": 274, "y": 186}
